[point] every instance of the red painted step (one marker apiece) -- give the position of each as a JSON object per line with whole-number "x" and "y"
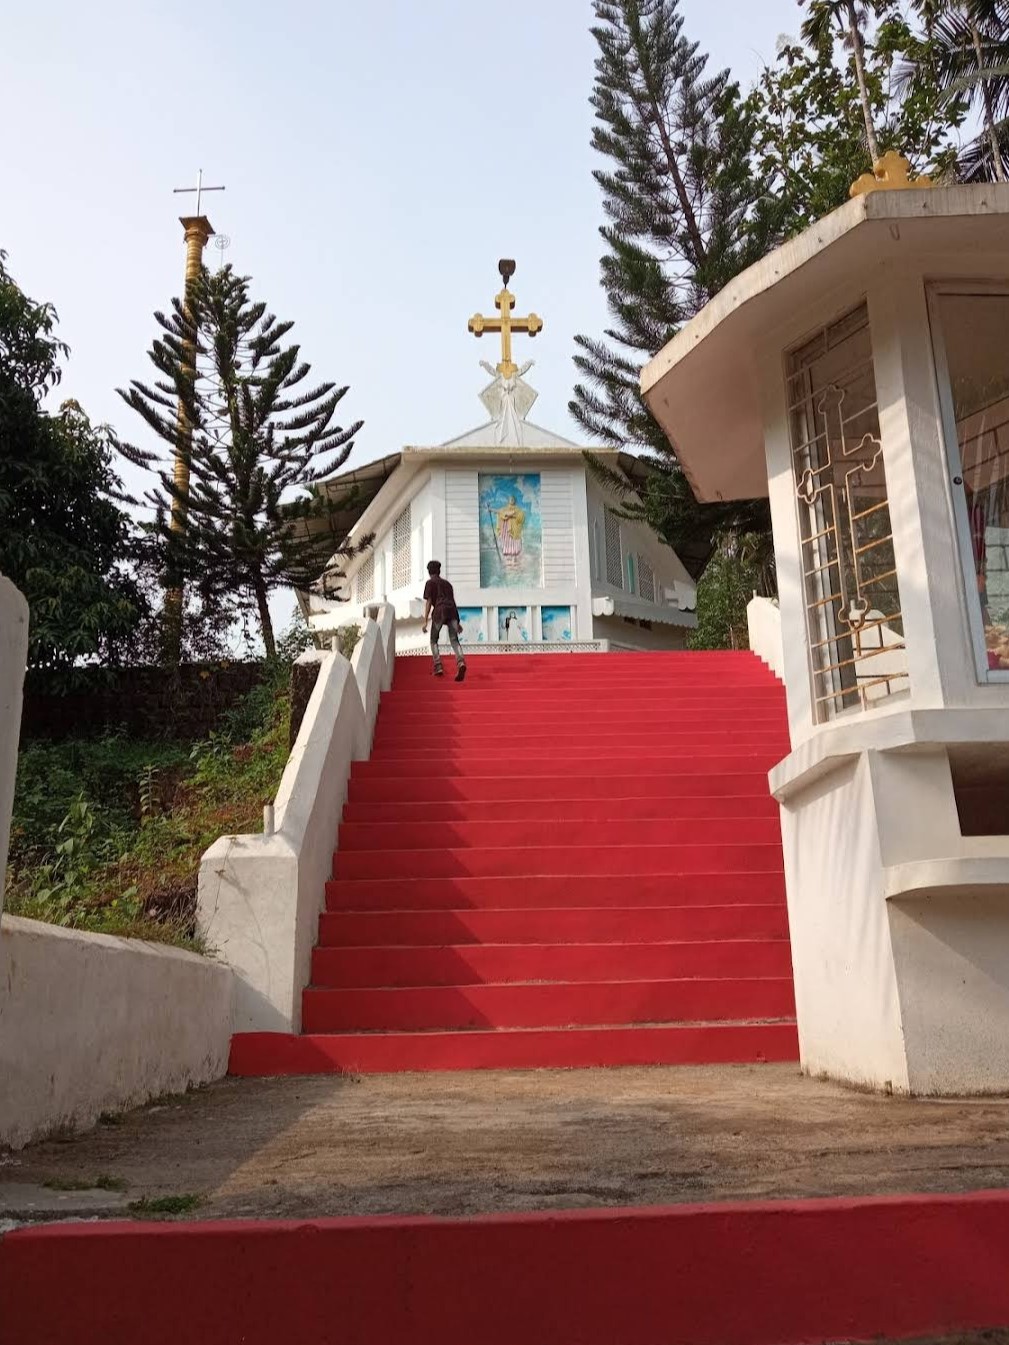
{"x": 546, "y": 1005}
{"x": 469, "y": 964}
{"x": 560, "y": 810}
{"x": 408, "y": 835}
{"x": 555, "y": 925}
{"x": 687, "y": 782}
{"x": 257, "y": 1053}
{"x": 546, "y": 890}
{"x": 574, "y": 861}
{"x": 564, "y": 861}
{"x": 662, "y": 760}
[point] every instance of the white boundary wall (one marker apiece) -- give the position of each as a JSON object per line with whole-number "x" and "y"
{"x": 91, "y": 1023}
{"x": 763, "y": 621}
{"x": 13, "y": 655}
{"x": 260, "y": 895}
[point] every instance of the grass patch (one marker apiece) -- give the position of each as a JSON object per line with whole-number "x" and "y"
{"x": 155, "y": 1206}
{"x": 100, "y": 1183}
{"x": 104, "y": 1182}
{"x": 107, "y": 833}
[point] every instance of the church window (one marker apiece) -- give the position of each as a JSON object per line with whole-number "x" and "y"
{"x": 366, "y": 578}
{"x": 402, "y": 568}
{"x": 853, "y": 614}
{"x": 614, "y": 569}
{"x": 646, "y": 580}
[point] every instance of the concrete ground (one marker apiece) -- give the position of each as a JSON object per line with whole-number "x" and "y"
{"x": 452, "y": 1144}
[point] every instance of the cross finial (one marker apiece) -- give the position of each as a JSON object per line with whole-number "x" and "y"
{"x": 892, "y": 172}
{"x": 506, "y": 323}
{"x": 199, "y": 189}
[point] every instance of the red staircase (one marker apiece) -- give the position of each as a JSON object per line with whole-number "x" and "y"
{"x": 569, "y": 860}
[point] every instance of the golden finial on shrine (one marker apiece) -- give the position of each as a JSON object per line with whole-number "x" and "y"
{"x": 890, "y": 172}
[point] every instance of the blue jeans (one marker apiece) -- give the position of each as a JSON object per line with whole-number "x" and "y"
{"x": 454, "y": 631}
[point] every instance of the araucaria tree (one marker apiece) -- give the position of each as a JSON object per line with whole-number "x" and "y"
{"x": 683, "y": 215}
{"x": 260, "y": 430}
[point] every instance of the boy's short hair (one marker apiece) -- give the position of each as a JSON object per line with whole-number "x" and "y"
{"x": 434, "y": 567}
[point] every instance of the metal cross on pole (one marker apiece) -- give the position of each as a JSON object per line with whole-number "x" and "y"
{"x": 506, "y": 323}
{"x": 199, "y": 189}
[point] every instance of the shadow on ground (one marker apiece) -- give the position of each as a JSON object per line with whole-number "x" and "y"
{"x": 454, "y": 1144}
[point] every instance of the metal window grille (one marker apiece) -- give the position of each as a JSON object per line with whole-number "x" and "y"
{"x": 614, "y": 569}
{"x": 402, "y": 568}
{"x": 646, "y": 580}
{"x": 366, "y": 578}
{"x": 853, "y": 616}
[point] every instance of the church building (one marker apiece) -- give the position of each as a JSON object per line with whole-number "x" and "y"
{"x": 532, "y": 541}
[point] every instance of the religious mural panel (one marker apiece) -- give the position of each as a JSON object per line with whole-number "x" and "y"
{"x": 511, "y": 531}
{"x": 555, "y": 623}
{"x": 472, "y": 625}
{"x": 513, "y": 625}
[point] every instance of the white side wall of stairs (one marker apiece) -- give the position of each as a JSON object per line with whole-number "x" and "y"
{"x": 260, "y": 895}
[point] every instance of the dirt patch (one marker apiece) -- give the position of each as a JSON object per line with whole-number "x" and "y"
{"x": 454, "y": 1144}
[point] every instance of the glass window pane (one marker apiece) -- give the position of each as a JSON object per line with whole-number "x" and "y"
{"x": 853, "y": 614}
{"x": 975, "y": 329}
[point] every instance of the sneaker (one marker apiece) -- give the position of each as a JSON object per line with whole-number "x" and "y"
{"x": 439, "y": 672}
{"x": 460, "y": 673}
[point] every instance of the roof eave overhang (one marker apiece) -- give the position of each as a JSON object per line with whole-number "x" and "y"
{"x": 703, "y": 386}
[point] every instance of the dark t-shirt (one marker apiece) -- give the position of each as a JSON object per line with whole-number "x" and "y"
{"x": 441, "y": 595}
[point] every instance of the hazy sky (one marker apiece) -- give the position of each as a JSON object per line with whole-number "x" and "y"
{"x": 379, "y": 158}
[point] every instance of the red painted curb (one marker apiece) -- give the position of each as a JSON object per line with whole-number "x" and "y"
{"x": 732, "y": 1274}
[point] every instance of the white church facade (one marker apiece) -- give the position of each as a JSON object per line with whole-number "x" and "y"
{"x": 535, "y": 545}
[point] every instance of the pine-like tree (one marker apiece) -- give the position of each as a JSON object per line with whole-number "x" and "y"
{"x": 684, "y": 215}
{"x": 259, "y": 431}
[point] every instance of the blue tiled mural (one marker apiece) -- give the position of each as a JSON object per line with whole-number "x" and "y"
{"x": 511, "y": 531}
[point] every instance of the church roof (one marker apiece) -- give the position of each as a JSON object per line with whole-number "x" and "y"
{"x": 530, "y": 437}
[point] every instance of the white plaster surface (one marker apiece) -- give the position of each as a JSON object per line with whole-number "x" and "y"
{"x": 13, "y": 654}
{"x": 951, "y": 953}
{"x": 90, "y": 1023}
{"x": 845, "y": 985}
{"x": 260, "y": 896}
{"x": 763, "y": 622}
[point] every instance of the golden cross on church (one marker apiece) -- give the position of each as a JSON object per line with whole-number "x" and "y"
{"x": 505, "y": 324}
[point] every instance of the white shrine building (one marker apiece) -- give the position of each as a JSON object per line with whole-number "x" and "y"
{"x": 859, "y": 377}
{"x": 533, "y": 542}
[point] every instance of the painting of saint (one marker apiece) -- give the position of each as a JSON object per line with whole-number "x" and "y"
{"x": 513, "y": 625}
{"x": 510, "y": 531}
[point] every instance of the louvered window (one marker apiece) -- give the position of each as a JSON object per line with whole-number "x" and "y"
{"x": 646, "y": 580}
{"x": 402, "y": 569}
{"x": 614, "y": 570}
{"x": 366, "y": 578}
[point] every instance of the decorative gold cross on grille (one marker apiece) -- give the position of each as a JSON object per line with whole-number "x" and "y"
{"x": 506, "y": 323}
